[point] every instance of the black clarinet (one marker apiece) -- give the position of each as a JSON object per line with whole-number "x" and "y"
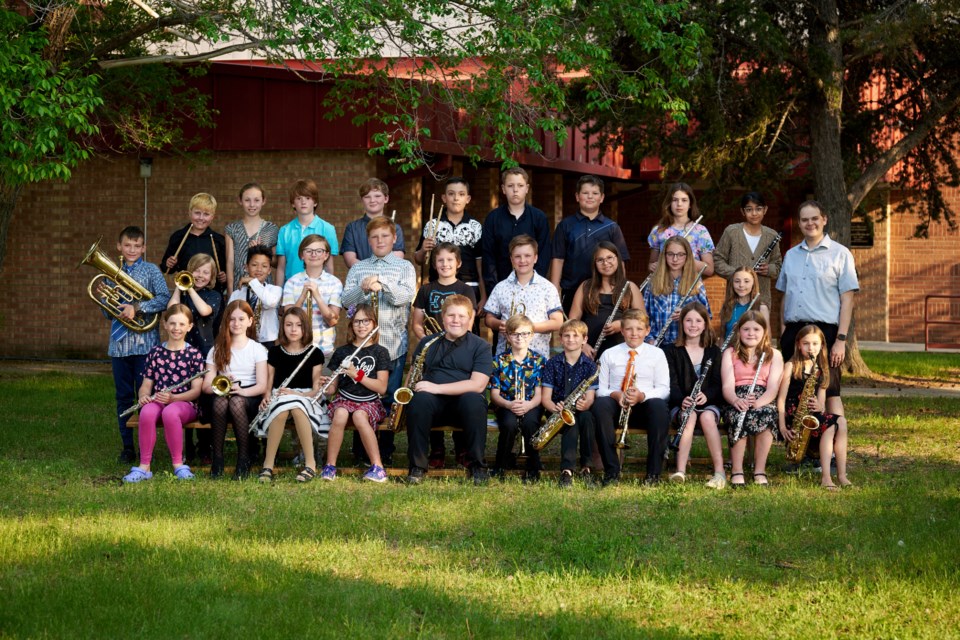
{"x": 766, "y": 252}
{"x": 675, "y": 442}
{"x": 679, "y": 305}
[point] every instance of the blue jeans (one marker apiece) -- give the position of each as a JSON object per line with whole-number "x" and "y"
{"x": 127, "y": 378}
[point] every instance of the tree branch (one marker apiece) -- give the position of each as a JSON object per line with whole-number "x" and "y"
{"x": 875, "y": 172}
{"x": 200, "y": 57}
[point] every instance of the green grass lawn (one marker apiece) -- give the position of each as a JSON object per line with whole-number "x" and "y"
{"x": 918, "y": 367}
{"x": 83, "y": 556}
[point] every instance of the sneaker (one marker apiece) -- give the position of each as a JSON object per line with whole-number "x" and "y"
{"x": 652, "y": 480}
{"x": 437, "y": 460}
{"x": 587, "y": 477}
{"x": 137, "y": 475}
{"x": 127, "y": 456}
{"x": 679, "y": 477}
{"x": 414, "y": 476}
{"x": 480, "y": 476}
{"x": 531, "y": 477}
{"x": 566, "y": 479}
{"x": 610, "y": 481}
{"x": 718, "y": 481}
{"x": 375, "y": 474}
{"x": 329, "y": 472}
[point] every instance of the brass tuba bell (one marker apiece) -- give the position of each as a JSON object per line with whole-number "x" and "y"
{"x": 117, "y": 289}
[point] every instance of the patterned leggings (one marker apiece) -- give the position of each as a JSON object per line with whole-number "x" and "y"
{"x": 238, "y": 409}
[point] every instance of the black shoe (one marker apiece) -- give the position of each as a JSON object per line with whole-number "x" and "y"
{"x": 610, "y": 481}
{"x": 216, "y": 468}
{"x": 387, "y": 461}
{"x": 242, "y": 472}
{"x": 652, "y": 480}
{"x": 531, "y": 477}
{"x": 497, "y": 472}
{"x": 127, "y": 456}
{"x": 587, "y": 477}
{"x": 414, "y": 476}
{"x": 566, "y": 479}
{"x": 480, "y": 476}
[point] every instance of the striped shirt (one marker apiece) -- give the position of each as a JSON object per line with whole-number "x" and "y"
{"x": 398, "y": 280}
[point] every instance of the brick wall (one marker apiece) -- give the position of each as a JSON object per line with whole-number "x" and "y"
{"x": 46, "y": 311}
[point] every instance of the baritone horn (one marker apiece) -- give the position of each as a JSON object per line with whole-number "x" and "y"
{"x": 117, "y": 288}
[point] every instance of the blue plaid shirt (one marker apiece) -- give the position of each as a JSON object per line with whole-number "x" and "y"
{"x": 134, "y": 343}
{"x": 660, "y": 308}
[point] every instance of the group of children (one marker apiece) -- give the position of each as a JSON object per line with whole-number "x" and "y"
{"x": 283, "y": 303}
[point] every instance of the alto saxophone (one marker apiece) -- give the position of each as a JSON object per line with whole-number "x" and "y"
{"x": 397, "y": 420}
{"x": 565, "y": 416}
{"x": 804, "y": 423}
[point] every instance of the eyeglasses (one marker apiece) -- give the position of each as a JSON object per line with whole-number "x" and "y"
{"x": 677, "y": 256}
{"x": 314, "y": 252}
{"x": 521, "y": 334}
{"x": 362, "y": 321}
{"x": 606, "y": 259}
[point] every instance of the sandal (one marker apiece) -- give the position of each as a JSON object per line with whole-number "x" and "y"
{"x": 829, "y": 487}
{"x": 137, "y": 475}
{"x": 306, "y": 475}
{"x": 737, "y": 485}
{"x": 266, "y": 475}
{"x": 760, "y": 475}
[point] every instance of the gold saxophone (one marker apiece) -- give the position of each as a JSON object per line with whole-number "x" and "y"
{"x": 565, "y": 416}
{"x": 397, "y": 420}
{"x": 804, "y": 424}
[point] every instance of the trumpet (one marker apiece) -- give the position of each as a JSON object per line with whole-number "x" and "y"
{"x": 516, "y": 308}
{"x": 183, "y": 280}
{"x": 222, "y": 385}
{"x": 153, "y": 397}
{"x": 520, "y": 393}
{"x": 117, "y": 288}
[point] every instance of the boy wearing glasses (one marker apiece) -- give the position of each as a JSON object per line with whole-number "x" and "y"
{"x": 528, "y": 293}
{"x": 515, "y": 393}
{"x": 324, "y": 289}
{"x": 389, "y": 283}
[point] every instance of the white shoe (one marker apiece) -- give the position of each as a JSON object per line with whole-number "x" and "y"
{"x": 679, "y": 476}
{"x": 718, "y": 481}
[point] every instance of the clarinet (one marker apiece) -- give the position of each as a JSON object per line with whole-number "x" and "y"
{"x": 164, "y": 390}
{"x": 726, "y": 341}
{"x": 766, "y": 252}
{"x": 275, "y": 394}
{"x": 685, "y": 233}
{"x": 679, "y": 305}
{"x": 343, "y": 367}
{"x": 616, "y": 305}
{"x": 675, "y": 442}
{"x": 743, "y": 414}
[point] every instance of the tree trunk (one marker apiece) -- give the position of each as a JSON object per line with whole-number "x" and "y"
{"x": 826, "y": 153}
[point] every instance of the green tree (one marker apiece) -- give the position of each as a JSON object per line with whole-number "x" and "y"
{"x": 500, "y": 67}
{"x": 840, "y": 93}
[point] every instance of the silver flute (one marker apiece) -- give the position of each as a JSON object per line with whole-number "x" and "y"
{"x": 135, "y": 407}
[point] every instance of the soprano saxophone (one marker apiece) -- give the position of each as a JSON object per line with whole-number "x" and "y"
{"x": 804, "y": 423}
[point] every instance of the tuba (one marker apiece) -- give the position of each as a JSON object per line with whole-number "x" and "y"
{"x": 396, "y": 421}
{"x": 804, "y": 423}
{"x": 117, "y": 289}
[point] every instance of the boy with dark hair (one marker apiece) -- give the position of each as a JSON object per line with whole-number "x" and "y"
{"x": 513, "y": 218}
{"x": 128, "y": 348}
{"x": 576, "y": 238}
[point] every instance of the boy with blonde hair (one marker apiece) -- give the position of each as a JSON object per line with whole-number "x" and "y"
{"x": 197, "y": 237}
{"x": 375, "y": 195}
